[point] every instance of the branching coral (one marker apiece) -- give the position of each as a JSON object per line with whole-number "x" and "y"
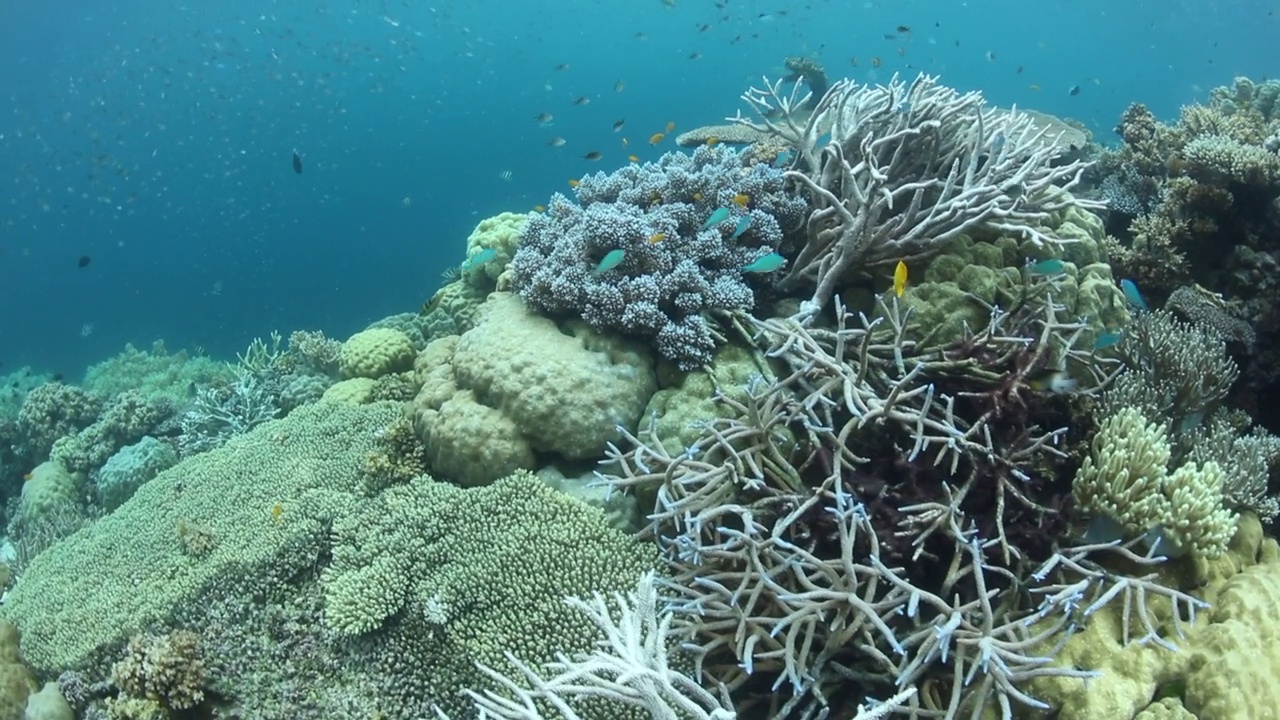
{"x": 676, "y": 268}
{"x": 1127, "y": 479}
{"x": 166, "y": 669}
{"x": 898, "y": 171}
{"x": 866, "y": 523}
{"x": 1179, "y": 375}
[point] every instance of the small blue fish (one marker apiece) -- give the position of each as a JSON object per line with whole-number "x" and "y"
{"x": 479, "y": 258}
{"x": 744, "y": 222}
{"x": 766, "y": 263}
{"x": 611, "y": 260}
{"x": 783, "y": 158}
{"x": 1052, "y": 266}
{"x": 1108, "y": 339}
{"x": 716, "y": 218}
{"x": 998, "y": 142}
{"x": 1131, "y": 294}
{"x": 823, "y": 139}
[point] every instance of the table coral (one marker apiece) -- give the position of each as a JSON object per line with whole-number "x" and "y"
{"x": 444, "y": 577}
{"x": 79, "y": 601}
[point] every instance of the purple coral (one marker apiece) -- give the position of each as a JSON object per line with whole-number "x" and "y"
{"x": 674, "y": 271}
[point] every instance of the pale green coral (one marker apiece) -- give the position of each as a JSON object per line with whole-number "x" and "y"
{"x": 156, "y": 373}
{"x": 1226, "y": 662}
{"x": 559, "y": 388}
{"x": 375, "y": 352}
{"x": 1126, "y": 478}
{"x": 85, "y": 596}
{"x": 500, "y": 233}
{"x": 476, "y": 573}
{"x": 955, "y": 291}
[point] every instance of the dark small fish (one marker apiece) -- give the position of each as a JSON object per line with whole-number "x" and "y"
{"x": 84, "y": 261}
{"x": 584, "y": 100}
{"x": 1075, "y": 90}
{"x": 617, "y": 125}
{"x": 297, "y": 162}
{"x": 904, "y": 28}
{"x": 695, "y": 56}
{"x": 593, "y": 155}
{"x": 890, "y": 36}
{"x": 704, "y": 27}
{"x": 543, "y": 118}
{"x": 562, "y": 66}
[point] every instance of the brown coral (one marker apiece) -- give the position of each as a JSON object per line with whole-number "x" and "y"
{"x": 166, "y": 669}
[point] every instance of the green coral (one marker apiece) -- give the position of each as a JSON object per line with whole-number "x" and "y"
{"x": 518, "y": 383}
{"x": 156, "y": 373}
{"x": 1227, "y": 658}
{"x": 500, "y": 233}
{"x": 84, "y": 597}
{"x": 473, "y": 573}
{"x": 1126, "y": 478}
{"x": 958, "y": 288}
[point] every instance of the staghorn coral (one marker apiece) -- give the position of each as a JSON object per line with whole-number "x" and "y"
{"x": 1174, "y": 371}
{"x": 674, "y": 271}
{"x": 222, "y": 412}
{"x": 907, "y": 169}
{"x": 857, "y": 526}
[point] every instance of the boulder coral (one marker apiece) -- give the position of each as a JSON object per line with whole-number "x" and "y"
{"x": 518, "y": 384}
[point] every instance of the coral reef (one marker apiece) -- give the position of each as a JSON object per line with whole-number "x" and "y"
{"x": 677, "y": 266}
{"x": 1193, "y": 204}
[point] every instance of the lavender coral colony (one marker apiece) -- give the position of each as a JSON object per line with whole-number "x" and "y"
{"x": 914, "y": 452}
{"x": 683, "y": 231}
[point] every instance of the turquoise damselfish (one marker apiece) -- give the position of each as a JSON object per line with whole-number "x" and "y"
{"x": 479, "y": 258}
{"x": 611, "y": 260}
{"x": 744, "y": 222}
{"x": 716, "y": 218}
{"x": 1052, "y": 266}
{"x": 1131, "y": 294}
{"x": 766, "y": 263}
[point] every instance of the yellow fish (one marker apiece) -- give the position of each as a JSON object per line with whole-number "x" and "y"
{"x": 671, "y": 126}
{"x": 741, "y": 199}
{"x": 900, "y": 279}
{"x": 656, "y": 138}
{"x": 277, "y": 511}
{"x": 712, "y": 141}
{"x": 657, "y": 237}
{"x": 633, "y": 158}
{"x": 539, "y": 208}
{"x": 573, "y": 183}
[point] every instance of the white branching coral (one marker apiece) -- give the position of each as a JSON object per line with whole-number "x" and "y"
{"x": 1126, "y": 478}
{"x": 631, "y": 667}
{"x": 899, "y": 171}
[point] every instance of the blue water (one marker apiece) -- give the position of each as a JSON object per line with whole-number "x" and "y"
{"x": 155, "y": 137}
